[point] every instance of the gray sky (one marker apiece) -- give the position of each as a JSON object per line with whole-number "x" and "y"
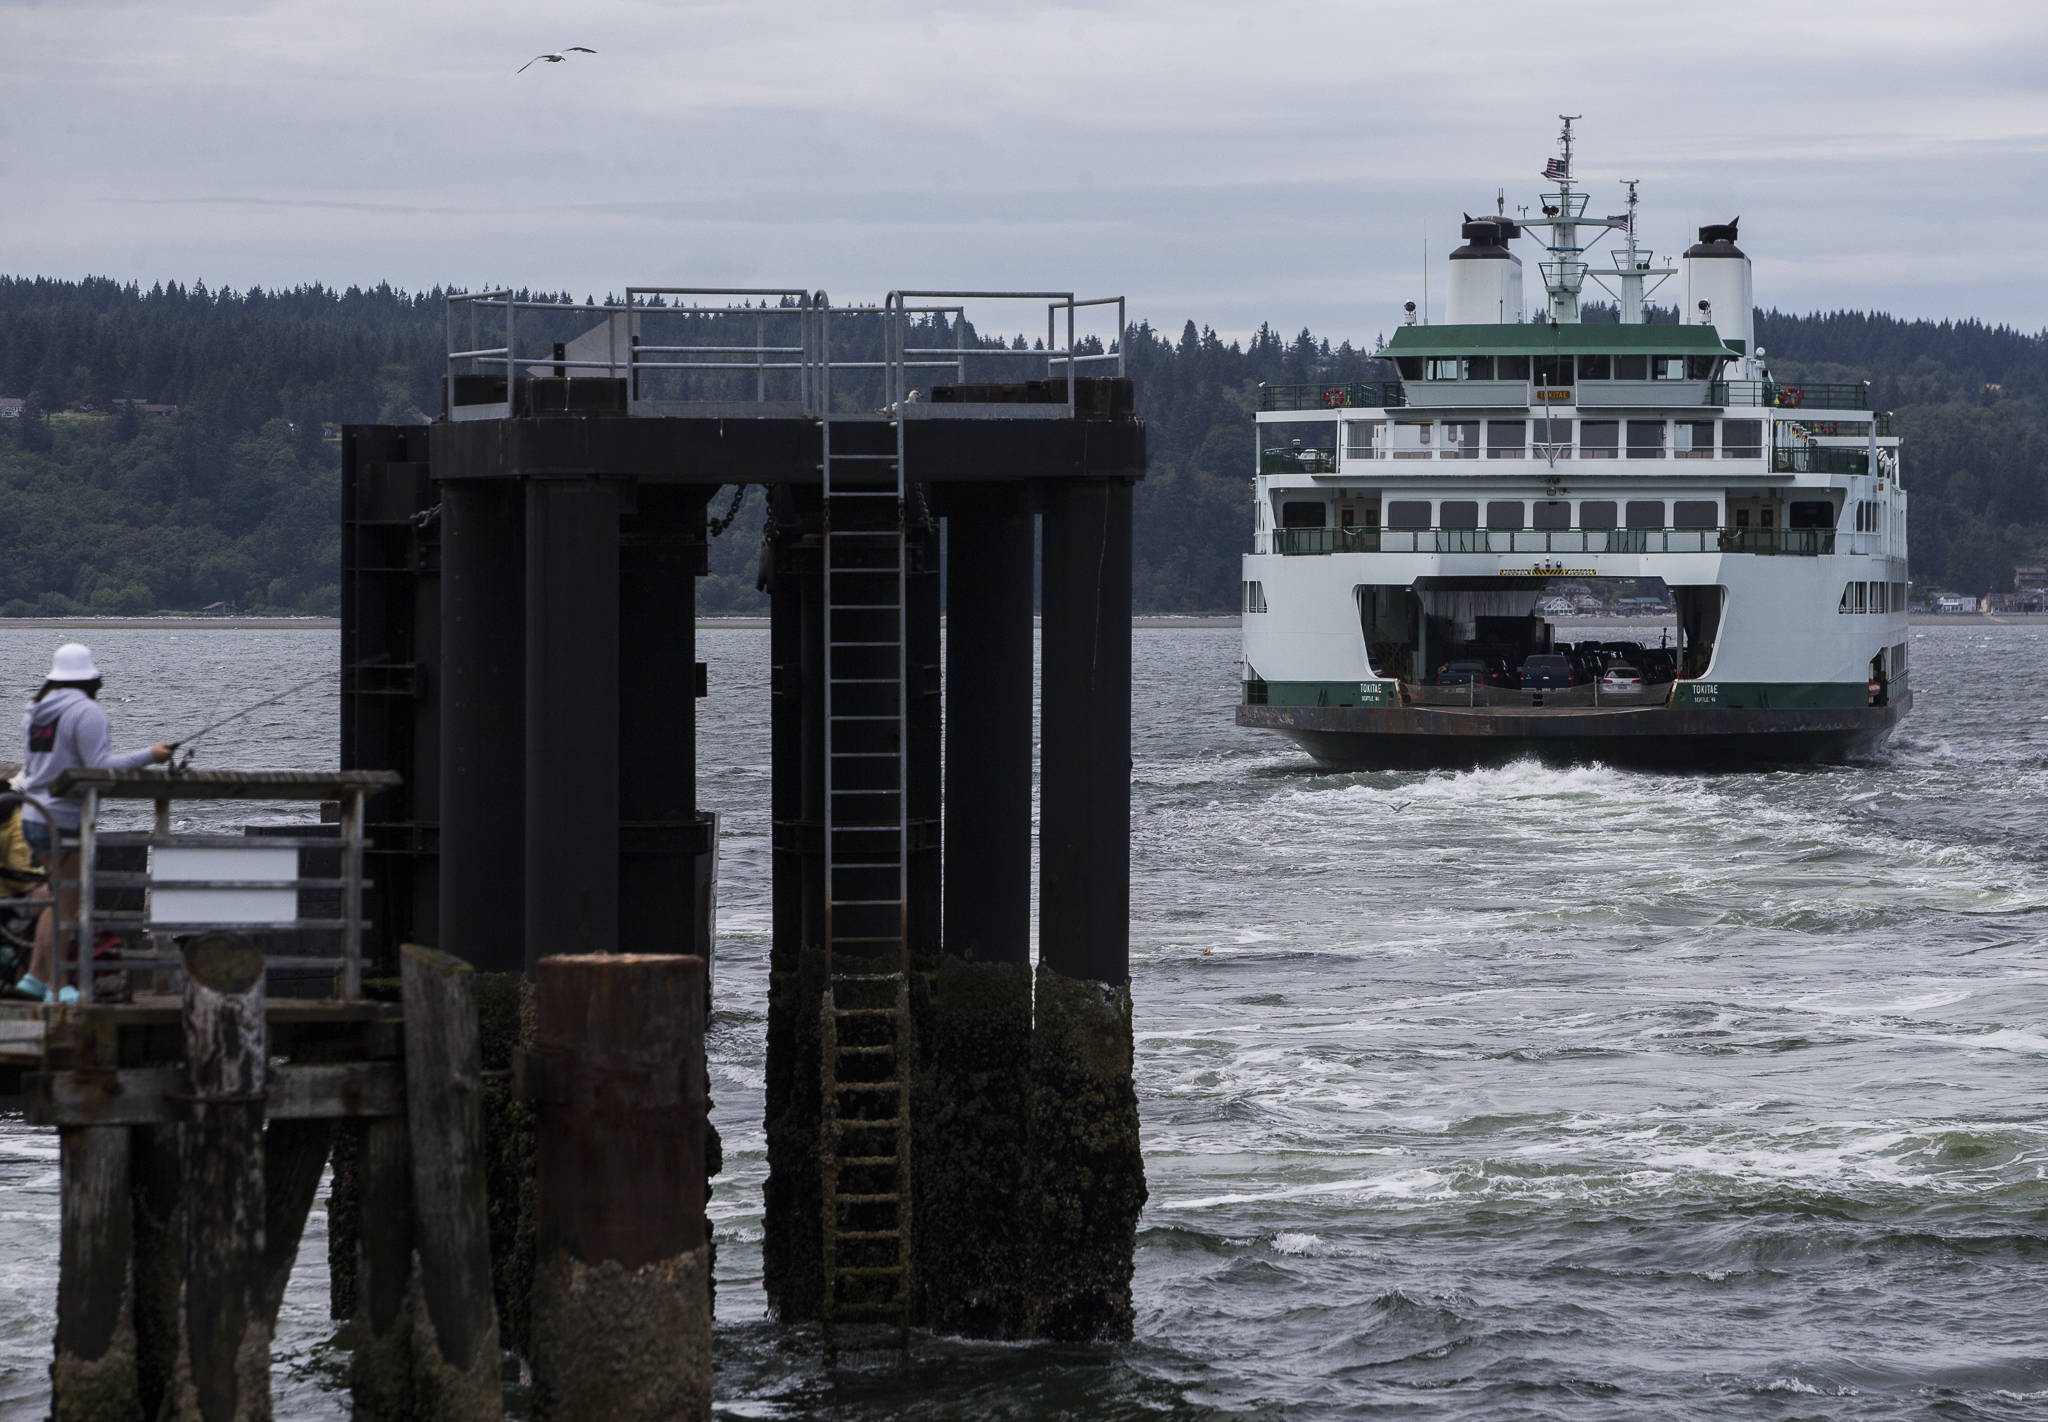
{"x": 1231, "y": 162}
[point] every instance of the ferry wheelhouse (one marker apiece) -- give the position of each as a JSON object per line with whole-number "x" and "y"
{"x": 1417, "y": 539}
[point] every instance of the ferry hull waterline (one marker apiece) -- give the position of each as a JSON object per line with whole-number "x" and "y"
{"x": 1416, "y": 538}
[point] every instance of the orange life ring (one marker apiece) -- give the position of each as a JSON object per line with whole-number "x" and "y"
{"x": 1335, "y": 398}
{"x": 1791, "y": 397}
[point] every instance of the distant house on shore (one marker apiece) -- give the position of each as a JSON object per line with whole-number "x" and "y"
{"x": 1956, "y": 604}
{"x": 142, "y": 406}
{"x": 10, "y": 407}
{"x": 2026, "y": 580}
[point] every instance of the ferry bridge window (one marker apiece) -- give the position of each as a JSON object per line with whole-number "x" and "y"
{"x": 1410, "y": 367}
{"x": 1596, "y": 367}
{"x": 1692, "y": 439}
{"x": 1551, "y": 513}
{"x": 1742, "y": 439}
{"x": 1645, "y": 439}
{"x": 1303, "y": 513}
{"x": 1461, "y": 439}
{"x": 1599, "y": 439}
{"x": 1596, "y": 513}
{"x": 1631, "y": 367}
{"x": 1408, "y": 513}
{"x": 1506, "y": 439}
{"x": 1511, "y": 368}
{"x": 1552, "y": 437}
{"x": 1503, "y": 513}
{"x": 1701, "y": 367}
{"x": 1443, "y": 368}
{"x": 1695, "y": 513}
{"x": 1479, "y": 367}
{"x": 1645, "y": 513}
{"x": 1412, "y": 439}
{"x": 1458, "y": 513}
{"x": 1667, "y": 367}
{"x": 1554, "y": 370}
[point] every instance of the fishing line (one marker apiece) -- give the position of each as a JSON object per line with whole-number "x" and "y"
{"x": 186, "y": 742}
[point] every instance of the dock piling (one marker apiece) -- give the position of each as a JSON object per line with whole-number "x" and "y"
{"x": 95, "y": 1373}
{"x": 622, "y": 1307}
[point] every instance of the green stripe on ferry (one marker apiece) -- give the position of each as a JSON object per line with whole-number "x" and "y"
{"x": 1321, "y": 693}
{"x": 1772, "y": 695}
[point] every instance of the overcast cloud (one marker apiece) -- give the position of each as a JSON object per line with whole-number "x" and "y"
{"x": 1230, "y": 162}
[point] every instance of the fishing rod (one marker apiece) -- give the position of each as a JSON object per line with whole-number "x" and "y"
{"x": 187, "y": 741}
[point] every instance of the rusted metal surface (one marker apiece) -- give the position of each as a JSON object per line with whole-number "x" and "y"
{"x": 617, "y": 1080}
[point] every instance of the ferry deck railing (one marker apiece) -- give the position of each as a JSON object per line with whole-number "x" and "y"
{"x": 784, "y": 345}
{"x": 92, "y": 788}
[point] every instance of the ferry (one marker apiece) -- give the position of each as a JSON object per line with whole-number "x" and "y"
{"x": 1418, "y": 540}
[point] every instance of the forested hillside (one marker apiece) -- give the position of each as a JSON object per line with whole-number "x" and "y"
{"x": 106, "y": 507}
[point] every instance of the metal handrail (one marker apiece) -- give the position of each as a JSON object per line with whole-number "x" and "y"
{"x": 1792, "y": 542}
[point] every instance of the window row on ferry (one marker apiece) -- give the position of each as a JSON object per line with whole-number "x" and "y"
{"x": 1559, "y": 370}
{"x": 1553, "y": 439}
{"x": 1873, "y": 597}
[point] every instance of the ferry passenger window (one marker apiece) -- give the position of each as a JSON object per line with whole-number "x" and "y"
{"x": 1631, "y": 367}
{"x": 1458, "y": 513}
{"x": 1410, "y": 367}
{"x": 1479, "y": 367}
{"x": 1303, "y": 513}
{"x": 1695, "y": 513}
{"x": 1551, "y": 513}
{"x": 1358, "y": 439}
{"x": 1503, "y": 513}
{"x": 1667, "y": 367}
{"x": 1692, "y": 439}
{"x": 1506, "y": 439}
{"x": 1596, "y": 513}
{"x": 1847, "y": 601}
{"x": 1254, "y": 597}
{"x": 1511, "y": 368}
{"x": 1810, "y": 513}
{"x": 1742, "y": 439}
{"x": 1599, "y": 439}
{"x": 1554, "y": 370}
{"x": 1461, "y": 439}
{"x": 1645, "y": 513}
{"x": 1645, "y": 439}
{"x": 1596, "y": 367}
{"x": 1862, "y": 596}
{"x": 1443, "y": 368}
{"x": 1552, "y": 436}
{"x": 1408, "y": 513}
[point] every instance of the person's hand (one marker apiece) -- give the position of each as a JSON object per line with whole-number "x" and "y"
{"x": 159, "y": 752}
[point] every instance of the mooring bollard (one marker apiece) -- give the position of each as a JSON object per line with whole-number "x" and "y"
{"x": 224, "y": 1371}
{"x": 622, "y": 1305}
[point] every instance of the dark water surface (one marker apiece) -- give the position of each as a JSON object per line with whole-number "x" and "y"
{"x": 1521, "y": 1092}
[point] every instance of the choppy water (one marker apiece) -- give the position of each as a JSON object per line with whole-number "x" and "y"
{"x": 1518, "y": 1092}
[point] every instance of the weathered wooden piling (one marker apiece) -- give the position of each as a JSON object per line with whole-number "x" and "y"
{"x": 94, "y": 1376}
{"x": 622, "y": 1308}
{"x": 455, "y": 1366}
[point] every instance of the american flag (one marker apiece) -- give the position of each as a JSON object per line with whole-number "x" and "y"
{"x": 1555, "y": 170}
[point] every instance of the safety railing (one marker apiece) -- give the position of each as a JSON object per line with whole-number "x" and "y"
{"x": 1793, "y": 542}
{"x": 210, "y": 883}
{"x": 1341, "y": 395}
{"x": 1819, "y": 459}
{"x": 1787, "y": 395}
{"x": 698, "y": 350}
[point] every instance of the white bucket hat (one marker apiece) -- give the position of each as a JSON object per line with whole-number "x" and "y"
{"x": 73, "y": 662}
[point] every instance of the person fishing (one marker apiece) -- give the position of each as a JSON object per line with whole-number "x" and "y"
{"x": 66, "y": 729}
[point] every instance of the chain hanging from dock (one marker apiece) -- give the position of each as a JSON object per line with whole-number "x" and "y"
{"x": 864, "y": 1146}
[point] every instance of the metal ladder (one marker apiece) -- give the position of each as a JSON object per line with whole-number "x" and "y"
{"x": 864, "y": 1147}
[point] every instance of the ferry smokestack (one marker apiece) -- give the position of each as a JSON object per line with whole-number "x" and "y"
{"x": 1486, "y": 278}
{"x": 1717, "y": 277}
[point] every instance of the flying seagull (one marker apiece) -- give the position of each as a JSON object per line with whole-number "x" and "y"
{"x": 555, "y": 58}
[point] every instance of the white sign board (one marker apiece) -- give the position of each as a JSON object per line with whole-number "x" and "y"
{"x": 231, "y": 861}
